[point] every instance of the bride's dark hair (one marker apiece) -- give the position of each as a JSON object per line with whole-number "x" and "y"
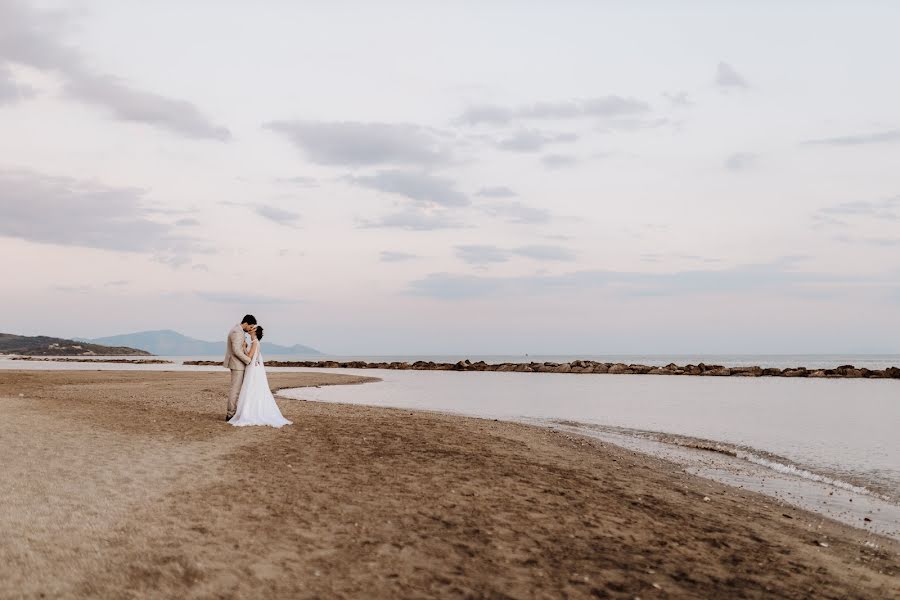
{"x": 259, "y": 332}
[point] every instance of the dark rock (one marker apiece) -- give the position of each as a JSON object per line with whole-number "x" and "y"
{"x": 798, "y": 372}
{"x": 720, "y": 372}
{"x": 746, "y": 371}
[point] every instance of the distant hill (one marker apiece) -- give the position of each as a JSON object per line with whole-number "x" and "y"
{"x": 171, "y": 343}
{"x": 42, "y": 345}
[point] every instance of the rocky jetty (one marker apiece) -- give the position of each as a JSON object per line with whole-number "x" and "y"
{"x": 118, "y": 361}
{"x": 590, "y": 366}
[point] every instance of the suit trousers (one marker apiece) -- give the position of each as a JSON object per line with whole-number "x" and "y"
{"x": 237, "y": 378}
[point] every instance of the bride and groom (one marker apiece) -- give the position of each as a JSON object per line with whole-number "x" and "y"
{"x": 250, "y": 401}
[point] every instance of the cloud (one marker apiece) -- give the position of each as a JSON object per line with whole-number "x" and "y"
{"x": 881, "y": 137}
{"x": 130, "y": 104}
{"x": 728, "y": 78}
{"x": 299, "y": 181}
{"x": 820, "y": 221}
{"x": 414, "y": 219}
{"x": 393, "y": 256}
{"x": 32, "y": 38}
{"x": 83, "y": 289}
{"x": 884, "y": 210}
{"x": 176, "y": 260}
{"x": 558, "y": 161}
{"x": 603, "y": 107}
{"x": 164, "y": 210}
{"x": 741, "y": 161}
{"x": 447, "y": 286}
{"x": 541, "y": 252}
{"x": 485, "y": 113}
{"x": 496, "y": 192}
{"x": 188, "y": 222}
{"x": 357, "y": 144}
{"x": 678, "y": 99}
{"x": 654, "y": 257}
{"x": 10, "y": 90}
{"x": 858, "y": 216}
{"x": 779, "y": 276}
{"x": 60, "y": 210}
{"x": 613, "y": 106}
{"x": 878, "y": 242}
{"x": 530, "y": 140}
{"x": 518, "y": 213}
{"x": 617, "y": 125}
{"x": 697, "y": 258}
{"x": 481, "y": 254}
{"x": 421, "y": 187}
{"x": 247, "y": 300}
{"x": 277, "y": 215}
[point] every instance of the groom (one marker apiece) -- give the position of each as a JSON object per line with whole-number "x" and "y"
{"x": 237, "y": 360}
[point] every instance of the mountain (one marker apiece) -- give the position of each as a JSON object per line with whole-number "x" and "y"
{"x": 42, "y": 345}
{"x": 172, "y": 343}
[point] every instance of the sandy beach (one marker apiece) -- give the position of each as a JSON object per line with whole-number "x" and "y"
{"x": 130, "y": 485}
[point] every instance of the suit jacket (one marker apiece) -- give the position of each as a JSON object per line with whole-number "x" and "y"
{"x": 234, "y": 350}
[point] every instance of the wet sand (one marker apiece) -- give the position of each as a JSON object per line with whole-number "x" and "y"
{"x": 130, "y": 484}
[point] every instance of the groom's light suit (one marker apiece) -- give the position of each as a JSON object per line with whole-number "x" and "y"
{"x": 237, "y": 361}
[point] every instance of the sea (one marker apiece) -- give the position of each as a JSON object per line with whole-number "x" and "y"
{"x": 831, "y": 446}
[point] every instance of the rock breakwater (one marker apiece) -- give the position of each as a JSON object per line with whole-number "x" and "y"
{"x": 117, "y": 361}
{"x": 590, "y": 366}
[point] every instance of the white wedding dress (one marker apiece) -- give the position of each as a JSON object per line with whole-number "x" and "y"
{"x": 256, "y": 404}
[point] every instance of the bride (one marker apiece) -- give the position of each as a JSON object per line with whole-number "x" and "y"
{"x": 256, "y": 405}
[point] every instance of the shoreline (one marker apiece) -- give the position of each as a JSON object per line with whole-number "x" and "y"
{"x": 850, "y": 502}
{"x": 864, "y": 505}
{"x": 133, "y": 482}
{"x": 589, "y": 367}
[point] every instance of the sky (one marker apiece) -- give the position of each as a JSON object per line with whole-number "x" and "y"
{"x": 449, "y": 178}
